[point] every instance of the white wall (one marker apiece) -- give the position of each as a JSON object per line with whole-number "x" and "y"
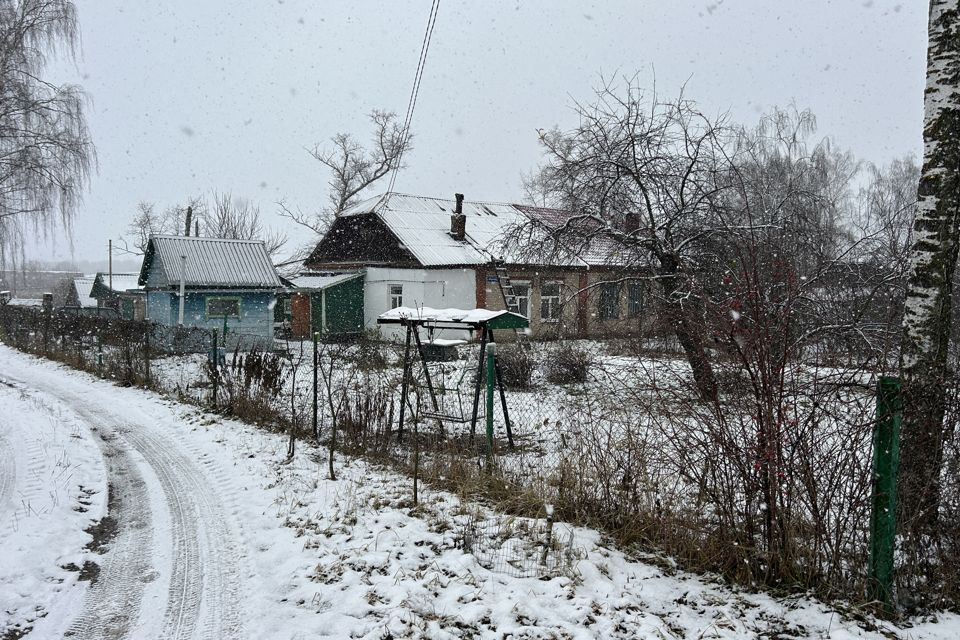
{"x": 437, "y": 288}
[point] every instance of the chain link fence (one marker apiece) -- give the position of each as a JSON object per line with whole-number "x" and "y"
{"x": 771, "y": 485}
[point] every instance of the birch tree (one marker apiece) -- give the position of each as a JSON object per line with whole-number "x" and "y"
{"x": 45, "y": 148}
{"x": 933, "y": 257}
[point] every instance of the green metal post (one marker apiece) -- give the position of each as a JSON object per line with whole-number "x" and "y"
{"x": 216, "y": 366}
{"x": 886, "y": 460}
{"x": 491, "y": 374}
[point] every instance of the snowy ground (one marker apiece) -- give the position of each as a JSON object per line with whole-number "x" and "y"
{"x": 204, "y": 532}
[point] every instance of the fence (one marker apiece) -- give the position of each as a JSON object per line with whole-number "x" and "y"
{"x": 769, "y": 484}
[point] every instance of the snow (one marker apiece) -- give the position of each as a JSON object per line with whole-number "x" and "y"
{"x": 467, "y": 316}
{"x": 299, "y": 556}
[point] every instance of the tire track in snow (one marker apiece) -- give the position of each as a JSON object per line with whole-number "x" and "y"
{"x": 113, "y": 602}
{"x": 202, "y": 599}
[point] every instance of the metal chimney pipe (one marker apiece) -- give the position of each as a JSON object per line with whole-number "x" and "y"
{"x": 458, "y": 221}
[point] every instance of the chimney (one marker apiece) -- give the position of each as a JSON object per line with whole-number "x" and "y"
{"x": 186, "y": 230}
{"x": 458, "y": 221}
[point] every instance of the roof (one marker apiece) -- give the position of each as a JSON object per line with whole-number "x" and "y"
{"x": 122, "y": 282}
{"x": 322, "y": 281}
{"x": 83, "y": 286}
{"x": 210, "y": 263}
{"x": 422, "y": 225}
{"x": 472, "y": 317}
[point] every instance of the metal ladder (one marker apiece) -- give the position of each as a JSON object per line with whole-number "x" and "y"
{"x": 510, "y": 299}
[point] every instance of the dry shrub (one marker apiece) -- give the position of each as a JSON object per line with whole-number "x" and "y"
{"x": 567, "y": 363}
{"x": 516, "y": 367}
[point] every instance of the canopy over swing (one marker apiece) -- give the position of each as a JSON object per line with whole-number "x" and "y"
{"x": 484, "y": 321}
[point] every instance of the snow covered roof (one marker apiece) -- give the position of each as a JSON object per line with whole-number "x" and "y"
{"x": 210, "y": 263}
{"x": 323, "y": 281}
{"x": 461, "y": 316}
{"x": 83, "y": 286}
{"x": 422, "y": 225}
{"x": 25, "y": 302}
{"x": 122, "y": 282}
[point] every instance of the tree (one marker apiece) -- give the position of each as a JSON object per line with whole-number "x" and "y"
{"x": 235, "y": 218}
{"x": 933, "y": 259}
{"x": 354, "y": 168}
{"x": 642, "y": 172}
{"x": 224, "y": 216}
{"x": 45, "y": 148}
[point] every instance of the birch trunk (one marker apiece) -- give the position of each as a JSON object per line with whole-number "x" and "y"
{"x": 933, "y": 257}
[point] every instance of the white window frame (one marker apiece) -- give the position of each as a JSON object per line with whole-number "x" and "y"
{"x": 518, "y": 308}
{"x": 553, "y": 302}
{"x": 394, "y": 300}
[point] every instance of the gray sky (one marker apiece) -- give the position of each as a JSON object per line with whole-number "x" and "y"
{"x": 191, "y": 96}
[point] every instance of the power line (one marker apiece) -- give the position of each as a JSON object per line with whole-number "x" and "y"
{"x": 415, "y": 90}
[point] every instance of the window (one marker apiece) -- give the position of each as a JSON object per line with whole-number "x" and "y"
{"x": 396, "y": 296}
{"x": 634, "y": 299}
{"x": 218, "y": 307}
{"x": 550, "y": 292}
{"x": 609, "y": 303}
{"x": 521, "y": 294}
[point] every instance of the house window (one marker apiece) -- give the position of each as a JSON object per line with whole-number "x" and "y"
{"x": 221, "y": 307}
{"x": 550, "y": 292}
{"x": 521, "y": 295}
{"x": 634, "y": 299}
{"x": 396, "y": 296}
{"x": 608, "y": 307}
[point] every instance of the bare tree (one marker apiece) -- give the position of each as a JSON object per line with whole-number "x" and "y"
{"x": 354, "y": 168}
{"x": 150, "y": 222}
{"x": 45, "y": 147}
{"x": 642, "y": 172}
{"x": 236, "y": 218}
{"x": 223, "y": 216}
{"x": 933, "y": 259}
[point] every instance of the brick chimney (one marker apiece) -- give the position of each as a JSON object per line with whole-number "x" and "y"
{"x": 458, "y": 221}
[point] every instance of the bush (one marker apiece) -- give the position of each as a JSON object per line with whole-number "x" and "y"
{"x": 568, "y": 363}
{"x": 516, "y": 367}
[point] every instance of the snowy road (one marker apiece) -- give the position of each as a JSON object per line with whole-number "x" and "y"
{"x": 168, "y": 566}
{"x": 124, "y": 515}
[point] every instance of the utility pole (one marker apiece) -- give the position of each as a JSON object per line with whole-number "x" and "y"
{"x": 110, "y": 263}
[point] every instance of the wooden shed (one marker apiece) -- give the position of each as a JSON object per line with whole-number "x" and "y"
{"x": 330, "y": 304}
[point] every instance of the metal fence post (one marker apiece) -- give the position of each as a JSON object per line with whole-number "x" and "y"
{"x": 316, "y": 361}
{"x": 216, "y": 366}
{"x": 886, "y": 460}
{"x": 491, "y": 374}
{"x": 146, "y": 354}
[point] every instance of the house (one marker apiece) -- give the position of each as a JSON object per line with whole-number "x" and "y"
{"x": 77, "y": 298}
{"x": 120, "y": 291}
{"x": 330, "y": 304}
{"x": 226, "y": 284}
{"x": 421, "y": 251}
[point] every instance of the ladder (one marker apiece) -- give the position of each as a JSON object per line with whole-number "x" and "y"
{"x": 510, "y": 299}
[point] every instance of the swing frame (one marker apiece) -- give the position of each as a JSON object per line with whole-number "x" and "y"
{"x": 480, "y": 322}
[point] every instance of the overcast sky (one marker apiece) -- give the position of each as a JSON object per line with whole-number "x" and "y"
{"x": 191, "y": 96}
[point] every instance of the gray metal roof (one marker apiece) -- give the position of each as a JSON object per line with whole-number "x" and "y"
{"x": 83, "y": 286}
{"x": 325, "y": 281}
{"x": 210, "y": 263}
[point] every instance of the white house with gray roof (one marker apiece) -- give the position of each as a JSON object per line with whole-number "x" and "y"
{"x": 418, "y": 251}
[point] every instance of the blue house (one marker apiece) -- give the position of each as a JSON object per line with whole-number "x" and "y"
{"x": 228, "y": 283}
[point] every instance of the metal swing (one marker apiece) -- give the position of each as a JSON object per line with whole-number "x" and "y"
{"x": 476, "y": 320}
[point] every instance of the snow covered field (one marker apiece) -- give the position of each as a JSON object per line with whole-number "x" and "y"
{"x": 204, "y": 532}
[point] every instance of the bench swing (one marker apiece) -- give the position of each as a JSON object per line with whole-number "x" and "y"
{"x": 480, "y": 323}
